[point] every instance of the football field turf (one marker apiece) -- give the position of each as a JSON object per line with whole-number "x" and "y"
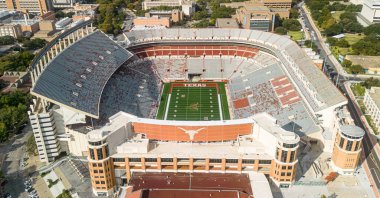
{"x": 193, "y": 102}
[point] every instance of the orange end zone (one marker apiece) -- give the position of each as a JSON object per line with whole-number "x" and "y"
{"x": 194, "y": 85}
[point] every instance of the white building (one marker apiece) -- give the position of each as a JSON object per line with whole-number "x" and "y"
{"x": 372, "y": 104}
{"x": 188, "y": 6}
{"x": 370, "y": 12}
{"x": 63, "y": 3}
{"x": 45, "y": 134}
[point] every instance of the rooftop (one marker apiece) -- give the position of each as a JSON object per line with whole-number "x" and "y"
{"x": 75, "y": 78}
{"x": 366, "y": 62}
{"x": 352, "y": 130}
{"x": 226, "y": 23}
{"x": 375, "y": 95}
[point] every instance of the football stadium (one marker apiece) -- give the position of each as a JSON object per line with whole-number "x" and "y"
{"x": 168, "y": 101}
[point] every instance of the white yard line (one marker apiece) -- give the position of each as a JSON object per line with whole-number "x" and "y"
{"x": 167, "y": 107}
{"x": 220, "y": 107}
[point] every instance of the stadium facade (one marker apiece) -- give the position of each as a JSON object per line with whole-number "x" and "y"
{"x": 100, "y": 99}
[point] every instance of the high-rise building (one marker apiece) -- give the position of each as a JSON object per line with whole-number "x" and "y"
{"x": 370, "y": 12}
{"x": 32, "y": 6}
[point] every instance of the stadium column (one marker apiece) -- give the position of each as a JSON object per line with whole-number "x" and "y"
{"x": 143, "y": 167}
{"x": 159, "y": 164}
{"x": 127, "y": 169}
{"x": 175, "y": 166}
{"x": 239, "y": 164}
{"x": 207, "y": 168}
{"x": 223, "y": 167}
{"x": 256, "y": 165}
{"x": 191, "y": 164}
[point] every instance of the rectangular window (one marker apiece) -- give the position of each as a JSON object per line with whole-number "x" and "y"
{"x": 107, "y": 151}
{"x": 150, "y": 159}
{"x": 282, "y": 174}
{"x": 215, "y": 160}
{"x": 99, "y": 153}
{"x": 248, "y": 161}
{"x": 95, "y": 171}
{"x": 292, "y": 156}
{"x": 349, "y": 145}
{"x": 119, "y": 159}
{"x": 283, "y": 167}
{"x": 166, "y": 159}
{"x": 232, "y": 161}
{"x": 134, "y": 159}
{"x": 102, "y": 182}
{"x": 94, "y": 165}
{"x": 341, "y": 142}
{"x": 265, "y": 161}
{"x": 284, "y": 156}
{"x": 288, "y": 174}
{"x": 92, "y": 154}
{"x": 357, "y": 145}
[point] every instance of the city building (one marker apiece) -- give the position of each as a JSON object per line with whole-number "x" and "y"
{"x": 370, "y": 12}
{"x": 63, "y": 3}
{"x": 13, "y": 30}
{"x": 226, "y": 23}
{"x": 33, "y": 6}
{"x": 256, "y": 18}
{"x": 372, "y": 104}
{"x": 152, "y": 21}
{"x": 47, "y": 30}
{"x": 267, "y": 3}
{"x": 188, "y": 6}
{"x": 174, "y": 15}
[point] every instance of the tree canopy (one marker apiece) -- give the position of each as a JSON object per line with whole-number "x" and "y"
{"x": 15, "y": 62}
{"x": 7, "y": 40}
{"x": 13, "y": 113}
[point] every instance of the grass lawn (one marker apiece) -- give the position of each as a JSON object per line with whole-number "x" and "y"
{"x": 358, "y": 89}
{"x": 340, "y": 51}
{"x": 296, "y": 35}
{"x": 336, "y": 15}
{"x": 193, "y": 103}
{"x": 353, "y": 38}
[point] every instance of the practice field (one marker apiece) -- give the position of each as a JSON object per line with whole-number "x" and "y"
{"x": 193, "y": 102}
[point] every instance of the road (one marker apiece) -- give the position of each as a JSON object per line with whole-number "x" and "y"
{"x": 326, "y": 54}
{"x": 371, "y": 157}
{"x": 13, "y": 152}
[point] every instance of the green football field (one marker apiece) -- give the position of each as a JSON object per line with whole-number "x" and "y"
{"x": 203, "y": 103}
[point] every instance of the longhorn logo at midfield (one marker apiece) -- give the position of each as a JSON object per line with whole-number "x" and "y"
{"x": 190, "y": 132}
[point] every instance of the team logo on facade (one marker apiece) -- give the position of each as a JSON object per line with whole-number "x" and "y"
{"x": 191, "y": 132}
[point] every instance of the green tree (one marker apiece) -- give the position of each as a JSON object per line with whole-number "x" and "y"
{"x": 291, "y": 24}
{"x": 346, "y": 63}
{"x": 201, "y": 24}
{"x": 334, "y": 30}
{"x": 372, "y": 29}
{"x": 3, "y": 132}
{"x": 371, "y": 82}
{"x": 357, "y": 69}
{"x": 64, "y": 194}
{"x": 294, "y": 14}
{"x": 281, "y": 31}
{"x": 7, "y": 40}
{"x": 200, "y": 15}
{"x": 34, "y": 44}
{"x": 15, "y": 62}
{"x": 31, "y": 146}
